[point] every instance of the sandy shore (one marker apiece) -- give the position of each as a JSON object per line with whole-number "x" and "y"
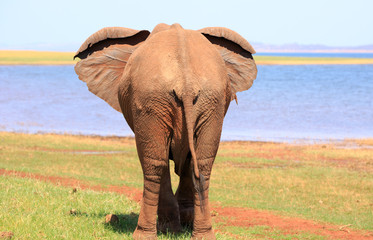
{"x": 311, "y": 61}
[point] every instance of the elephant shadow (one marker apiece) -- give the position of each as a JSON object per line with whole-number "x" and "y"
{"x": 127, "y": 224}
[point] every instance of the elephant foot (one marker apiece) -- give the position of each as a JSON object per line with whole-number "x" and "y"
{"x": 168, "y": 219}
{"x": 208, "y": 235}
{"x": 141, "y": 234}
{"x": 187, "y": 216}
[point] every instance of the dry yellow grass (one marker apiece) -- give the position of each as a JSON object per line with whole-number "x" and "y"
{"x": 16, "y": 57}
{"x": 363, "y": 141}
{"x": 274, "y": 60}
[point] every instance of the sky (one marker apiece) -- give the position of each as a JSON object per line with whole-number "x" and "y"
{"x": 63, "y": 25}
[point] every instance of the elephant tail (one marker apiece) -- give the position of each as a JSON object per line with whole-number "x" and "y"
{"x": 197, "y": 177}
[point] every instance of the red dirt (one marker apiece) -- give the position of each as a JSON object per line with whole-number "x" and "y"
{"x": 244, "y": 217}
{"x": 230, "y": 216}
{"x": 6, "y": 235}
{"x": 132, "y": 193}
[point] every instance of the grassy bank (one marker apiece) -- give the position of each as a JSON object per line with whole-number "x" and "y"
{"x": 33, "y": 209}
{"x": 326, "y": 183}
{"x": 36, "y": 210}
{"x": 12, "y": 57}
{"x": 276, "y": 60}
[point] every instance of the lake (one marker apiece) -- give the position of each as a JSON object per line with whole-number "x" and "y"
{"x": 286, "y": 103}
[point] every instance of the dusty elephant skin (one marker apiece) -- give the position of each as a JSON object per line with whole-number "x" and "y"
{"x": 173, "y": 87}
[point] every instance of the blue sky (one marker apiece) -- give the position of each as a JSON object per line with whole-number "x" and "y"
{"x": 64, "y": 25}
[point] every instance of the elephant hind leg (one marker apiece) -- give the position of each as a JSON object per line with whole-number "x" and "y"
{"x": 207, "y": 144}
{"x": 168, "y": 209}
{"x": 202, "y": 227}
{"x": 184, "y": 195}
{"x": 146, "y": 226}
{"x": 152, "y": 147}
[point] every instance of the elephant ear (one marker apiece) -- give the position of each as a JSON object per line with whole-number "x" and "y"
{"x": 104, "y": 56}
{"x": 237, "y": 55}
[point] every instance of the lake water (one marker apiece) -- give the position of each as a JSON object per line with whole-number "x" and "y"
{"x": 286, "y": 103}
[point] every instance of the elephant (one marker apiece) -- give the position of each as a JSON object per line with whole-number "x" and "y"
{"x": 173, "y": 87}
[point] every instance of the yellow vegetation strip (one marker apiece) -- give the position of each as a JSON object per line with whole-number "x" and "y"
{"x": 311, "y": 61}
{"x": 17, "y": 57}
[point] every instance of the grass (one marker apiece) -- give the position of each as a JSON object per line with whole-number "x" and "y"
{"x": 32, "y": 209}
{"x": 15, "y": 57}
{"x": 324, "y": 195}
{"x": 277, "y": 60}
{"x": 326, "y": 182}
{"x": 37, "y": 210}
{"x": 264, "y": 232}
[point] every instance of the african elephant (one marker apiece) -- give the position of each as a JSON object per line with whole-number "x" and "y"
{"x": 173, "y": 87}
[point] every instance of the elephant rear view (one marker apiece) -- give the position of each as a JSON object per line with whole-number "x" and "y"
{"x": 174, "y": 87}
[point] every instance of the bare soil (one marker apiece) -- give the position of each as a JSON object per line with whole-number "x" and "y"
{"x": 228, "y": 216}
{"x": 6, "y": 235}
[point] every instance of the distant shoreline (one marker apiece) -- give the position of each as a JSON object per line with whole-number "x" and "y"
{"x": 352, "y": 143}
{"x": 315, "y": 51}
{"x": 20, "y": 57}
{"x": 26, "y": 57}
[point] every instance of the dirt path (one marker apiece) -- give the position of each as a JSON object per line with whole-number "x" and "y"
{"x": 230, "y": 216}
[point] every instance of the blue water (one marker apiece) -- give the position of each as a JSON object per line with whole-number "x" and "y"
{"x": 312, "y": 102}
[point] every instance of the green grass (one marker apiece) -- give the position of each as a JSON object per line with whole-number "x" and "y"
{"x": 37, "y": 210}
{"x": 264, "y": 232}
{"x": 57, "y": 155}
{"x": 31, "y": 209}
{"x": 318, "y": 182}
{"x": 323, "y": 194}
{"x": 305, "y": 181}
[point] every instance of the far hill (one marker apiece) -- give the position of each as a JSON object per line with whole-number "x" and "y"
{"x": 294, "y": 47}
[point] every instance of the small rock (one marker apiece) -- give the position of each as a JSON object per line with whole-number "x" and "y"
{"x": 111, "y": 218}
{"x": 73, "y": 211}
{"x": 214, "y": 213}
{"x": 6, "y": 235}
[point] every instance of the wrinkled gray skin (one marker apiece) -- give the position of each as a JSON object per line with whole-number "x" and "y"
{"x": 173, "y": 87}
